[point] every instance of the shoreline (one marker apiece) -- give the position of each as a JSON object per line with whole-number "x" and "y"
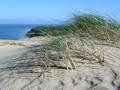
{"x": 15, "y": 31}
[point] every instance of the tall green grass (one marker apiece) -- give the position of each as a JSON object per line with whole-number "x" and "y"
{"x": 76, "y": 40}
{"x": 98, "y": 26}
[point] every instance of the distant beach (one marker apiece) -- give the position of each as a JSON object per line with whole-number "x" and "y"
{"x": 14, "y": 31}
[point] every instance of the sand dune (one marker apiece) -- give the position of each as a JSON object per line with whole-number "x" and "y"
{"x": 16, "y": 73}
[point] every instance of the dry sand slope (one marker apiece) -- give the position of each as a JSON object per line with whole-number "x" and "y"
{"x": 15, "y": 74}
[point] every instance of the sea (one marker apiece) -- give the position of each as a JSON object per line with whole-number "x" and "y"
{"x": 15, "y": 31}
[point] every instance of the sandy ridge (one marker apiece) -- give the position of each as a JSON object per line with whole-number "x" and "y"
{"x": 97, "y": 76}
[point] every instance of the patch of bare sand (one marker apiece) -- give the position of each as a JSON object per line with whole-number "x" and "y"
{"x": 23, "y": 76}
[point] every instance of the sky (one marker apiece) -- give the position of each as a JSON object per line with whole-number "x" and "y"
{"x": 51, "y": 11}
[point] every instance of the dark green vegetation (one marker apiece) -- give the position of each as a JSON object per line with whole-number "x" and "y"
{"x": 48, "y": 30}
{"x": 74, "y": 41}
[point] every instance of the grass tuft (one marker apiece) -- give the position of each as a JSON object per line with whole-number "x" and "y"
{"x": 75, "y": 41}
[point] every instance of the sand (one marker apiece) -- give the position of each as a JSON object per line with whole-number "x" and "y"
{"x": 16, "y": 73}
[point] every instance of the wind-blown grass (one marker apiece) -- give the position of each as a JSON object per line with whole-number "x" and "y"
{"x": 100, "y": 27}
{"x": 77, "y": 39}
{"x": 63, "y": 51}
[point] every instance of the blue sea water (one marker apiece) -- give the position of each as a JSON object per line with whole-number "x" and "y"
{"x": 14, "y": 32}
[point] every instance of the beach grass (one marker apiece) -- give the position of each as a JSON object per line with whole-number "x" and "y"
{"x": 75, "y": 41}
{"x": 98, "y": 26}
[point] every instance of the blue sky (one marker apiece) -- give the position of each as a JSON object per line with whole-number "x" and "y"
{"x": 51, "y": 11}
